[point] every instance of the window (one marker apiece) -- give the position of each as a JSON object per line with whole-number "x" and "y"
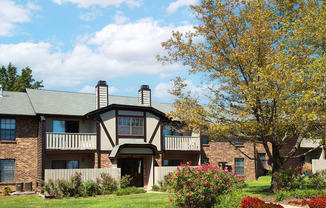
{"x": 239, "y": 166}
{"x": 61, "y": 126}
{"x": 7, "y": 170}
{"x": 169, "y": 130}
{"x": 172, "y": 162}
{"x": 8, "y": 129}
{"x": 131, "y": 126}
{"x": 65, "y": 164}
{"x": 261, "y": 160}
{"x": 205, "y": 139}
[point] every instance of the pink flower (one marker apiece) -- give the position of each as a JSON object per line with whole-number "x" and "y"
{"x": 196, "y": 187}
{"x": 230, "y": 182}
{"x": 171, "y": 200}
{"x": 194, "y": 183}
{"x": 189, "y": 192}
{"x": 199, "y": 178}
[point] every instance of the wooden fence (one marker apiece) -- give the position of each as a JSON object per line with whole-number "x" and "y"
{"x": 87, "y": 174}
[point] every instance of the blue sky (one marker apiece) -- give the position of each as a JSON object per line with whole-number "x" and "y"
{"x": 71, "y": 44}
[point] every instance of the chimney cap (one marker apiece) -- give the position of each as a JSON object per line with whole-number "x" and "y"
{"x": 144, "y": 87}
{"x": 101, "y": 82}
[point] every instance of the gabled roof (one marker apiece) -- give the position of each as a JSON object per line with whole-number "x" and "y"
{"x": 16, "y": 103}
{"x": 48, "y": 102}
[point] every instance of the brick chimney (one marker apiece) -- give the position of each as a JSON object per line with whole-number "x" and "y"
{"x": 144, "y": 95}
{"x": 101, "y": 94}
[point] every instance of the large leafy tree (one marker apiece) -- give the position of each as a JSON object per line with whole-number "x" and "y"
{"x": 266, "y": 59}
{"x": 11, "y": 81}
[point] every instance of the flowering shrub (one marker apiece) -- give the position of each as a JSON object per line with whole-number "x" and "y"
{"x": 289, "y": 178}
{"x": 318, "y": 180}
{"x": 200, "y": 186}
{"x": 108, "y": 184}
{"x": 318, "y": 202}
{"x": 302, "y": 203}
{"x": 92, "y": 188}
{"x": 125, "y": 181}
{"x": 254, "y": 202}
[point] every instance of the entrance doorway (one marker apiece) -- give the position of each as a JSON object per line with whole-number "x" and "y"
{"x": 134, "y": 168}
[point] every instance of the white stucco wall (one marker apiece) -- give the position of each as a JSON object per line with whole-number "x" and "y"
{"x": 109, "y": 121}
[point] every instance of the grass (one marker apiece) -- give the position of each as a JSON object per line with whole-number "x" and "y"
{"x": 256, "y": 188}
{"x": 136, "y": 200}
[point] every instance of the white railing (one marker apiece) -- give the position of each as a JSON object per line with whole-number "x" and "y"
{"x": 71, "y": 141}
{"x": 181, "y": 143}
{"x": 86, "y": 174}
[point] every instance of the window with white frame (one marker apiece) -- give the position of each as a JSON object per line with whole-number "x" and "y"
{"x": 239, "y": 166}
{"x": 131, "y": 126}
{"x": 7, "y": 170}
{"x": 8, "y": 129}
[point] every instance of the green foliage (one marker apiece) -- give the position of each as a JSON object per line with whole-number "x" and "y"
{"x": 289, "y": 178}
{"x": 298, "y": 194}
{"x": 6, "y": 191}
{"x": 155, "y": 187}
{"x": 201, "y": 186}
{"x": 125, "y": 181}
{"x": 264, "y": 63}
{"x": 129, "y": 190}
{"x": 11, "y": 81}
{"x": 91, "y": 187}
{"x": 230, "y": 199}
{"x": 108, "y": 183}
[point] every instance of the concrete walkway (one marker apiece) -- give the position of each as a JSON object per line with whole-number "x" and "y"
{"x": 291, "y": 206}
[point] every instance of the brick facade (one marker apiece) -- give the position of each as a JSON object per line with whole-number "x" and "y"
{"x": 23, "y": 150}
{"x": 223, "y": 152}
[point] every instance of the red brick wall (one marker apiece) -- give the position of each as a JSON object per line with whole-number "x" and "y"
{"x": 23, "y": 150}
{"x": 224, "y": 152}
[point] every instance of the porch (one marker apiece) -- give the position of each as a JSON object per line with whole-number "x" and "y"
{"x": 185, "y": 143}
{"x": 70, "y": 141}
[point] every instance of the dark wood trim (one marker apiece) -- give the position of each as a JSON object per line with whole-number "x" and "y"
{"x": 98, "y": 143}
{"x": 201, "y": 149}
{"x": 153, "y": 147}
{"x": 105, "y": 130}
{"x": 15, "y": 116}
{"x": 116, "y": 127}
{"x": 131, "y": 116}
{"x": 69, "y": 151}
{"x": 162, "y": 148}
{"x": 145, "y": 126}
{"x": 8, "y": 142}
{"x": 43, "y": 137}
{"x": 131, "y": 136}
{"x": 155, "y": 131}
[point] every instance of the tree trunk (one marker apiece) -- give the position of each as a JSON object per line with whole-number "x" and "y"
{"x": 277, "y": 164}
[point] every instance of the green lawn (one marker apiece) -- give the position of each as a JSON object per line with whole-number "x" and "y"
{"x": 256, "y": 188}
{"x": 156, "y": 200}
{"x": 136, "y": 200}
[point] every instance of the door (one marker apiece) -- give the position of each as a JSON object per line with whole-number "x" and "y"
{"x": 134, "y": 168}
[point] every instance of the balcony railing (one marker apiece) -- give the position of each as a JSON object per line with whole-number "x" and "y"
{"x": 70, "y": 141}
{"x": 182, "y": 143}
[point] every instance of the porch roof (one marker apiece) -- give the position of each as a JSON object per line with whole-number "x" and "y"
{"x": 132, "y": 144}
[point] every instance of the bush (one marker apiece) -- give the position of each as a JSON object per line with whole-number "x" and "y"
{"x": 230, "y": 199}
{"x": 6, "y": 191}
{"x": 155, "y": 187}
{"x": 108, "y": 183}
{"x": 254, "y": 202}
{"x": 299, "y": 194}
{"x": 202, "y": 185}
{"x": 129, "y": 190}
{"x": 91, "y": 187}
{"x": 289, "y": 178}
{"x": 318, "y": 180}
{"x": 125, "y": 181}
{"x": 318, "y": 202}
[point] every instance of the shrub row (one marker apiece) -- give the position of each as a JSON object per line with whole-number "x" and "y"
{"x": 76, "y": 187}
{"x": 298, "y": 194}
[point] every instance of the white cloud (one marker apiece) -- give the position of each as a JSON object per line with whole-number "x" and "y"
{"x": 12, "y": 13}
{"x": 91, "y": 89}
{"x": 118, "y": 50}
{"x": 91, "y": 14}
{"x": 119, "y": 18}
{"x": 174, "y": 6}
{"x": 113, "y": 90}
{"x": 101, "y": 3}
{"x": 161, "y": 91}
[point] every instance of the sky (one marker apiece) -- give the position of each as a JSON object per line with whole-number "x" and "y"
{"x": 72, "y": 44}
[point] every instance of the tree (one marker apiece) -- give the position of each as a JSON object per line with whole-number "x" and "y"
{"x": 13, "y": 82}
{"x": 267, "y": 62}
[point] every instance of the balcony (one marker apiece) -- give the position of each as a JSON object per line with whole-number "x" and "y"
{"x": 70, "y": 141}
{"x": 184, "y": 143}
